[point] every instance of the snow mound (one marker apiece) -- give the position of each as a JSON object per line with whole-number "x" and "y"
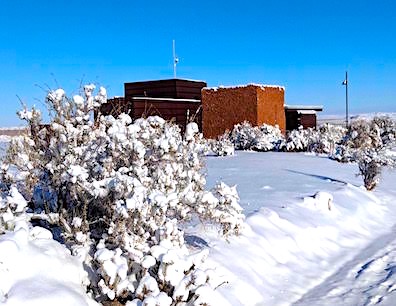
{"x": 37, "y": 270}
{"x": 322, "y": 201}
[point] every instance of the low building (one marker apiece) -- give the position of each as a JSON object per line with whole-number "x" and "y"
{"x": 301, "y": 115}
{"x": 215, "y": 110}
{"x": 177, "y": 100}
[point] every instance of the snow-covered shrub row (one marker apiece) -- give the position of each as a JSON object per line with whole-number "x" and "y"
{"x": 120, "y": 192}
{"x": 321, "y": 141}
{"x": 266, "y": 137}
{"x": 379, "y": 132}
{"x": 367, "y": 142}
{"x": 244, "y": 136}
{"x": 327, "y": 138}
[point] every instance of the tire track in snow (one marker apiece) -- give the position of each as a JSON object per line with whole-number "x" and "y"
{"x": 368, "y": 279}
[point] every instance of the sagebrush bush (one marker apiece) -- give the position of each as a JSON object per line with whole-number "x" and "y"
{"x": 120, "y": 191}
{"x": 244, "y": 136}
{"x": 222, "y": 146}
{"x": 367, "y": 142}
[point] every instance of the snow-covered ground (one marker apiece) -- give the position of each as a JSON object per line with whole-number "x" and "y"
{"x": 37, "y": 270}
{"x": 4, "y": 140}
{"x": 313, "y": 236}
{"x": 294, "y": 240}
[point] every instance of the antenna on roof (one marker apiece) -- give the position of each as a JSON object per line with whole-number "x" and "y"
{"x": 175, "y": 59}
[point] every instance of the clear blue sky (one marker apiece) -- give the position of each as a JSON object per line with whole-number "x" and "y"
{"x": 305, "y": 46}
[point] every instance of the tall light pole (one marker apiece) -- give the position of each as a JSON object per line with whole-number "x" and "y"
{"x": 346, "y": 98}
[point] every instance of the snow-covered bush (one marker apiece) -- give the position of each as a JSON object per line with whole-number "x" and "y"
{"x": 12, "y": 208}
{"x": 363, "y": 134}
{"x": 270, "y": 138}
{"x": 219, "y": 147}
{"x": 224, "y": 208}
{"x": 244, "y": 136}
{"x": 327, "y": 137}
{"x": 387, "y": 129}
{"x": 370, "y": 162}
{"x": 321, "y": 141}
{"x": 121, "y": 191}
{"x": 298, "y": 140}
{"x": 367, "y": 143}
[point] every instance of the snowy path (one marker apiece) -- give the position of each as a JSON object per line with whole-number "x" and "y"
{"x": 294, "y": 248}
{"x": 368, "y": 279}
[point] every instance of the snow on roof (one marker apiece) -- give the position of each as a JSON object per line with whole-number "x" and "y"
{"x": 304, "y": 107}
{"x": 306, "y": 112}
{"x": 262, "y": 86}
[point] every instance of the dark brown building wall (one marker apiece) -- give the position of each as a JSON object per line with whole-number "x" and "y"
{"x": 294, "y": 120}
{"x": 222, "y": 108}
{"x": 172, "y": 88}
{"x": 180, "y": 112}
{"x": 115, "y": 106}
{"x": 308, "y": 120}
{"x": 270, "y": 106}
{"x": 225, "y": 107}
{"x": 177, "y": 100}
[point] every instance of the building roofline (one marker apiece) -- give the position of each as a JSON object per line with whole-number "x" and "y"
{"x": 166, "y": 99}
{"x": 318, "y": 108}
{"x": 263, "y": 86}
{"x": 162, "y": 80}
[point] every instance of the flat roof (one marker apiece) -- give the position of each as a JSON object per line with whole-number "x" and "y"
{"x": 166, "y": 99}
{"x": 165, "y": 80}
{"x": 318, "y": 108}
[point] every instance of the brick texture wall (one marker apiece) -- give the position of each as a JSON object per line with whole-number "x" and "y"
{"x": 222, "y": 108}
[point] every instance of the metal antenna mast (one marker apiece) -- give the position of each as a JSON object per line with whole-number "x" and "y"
{"x": 175, "y": 59}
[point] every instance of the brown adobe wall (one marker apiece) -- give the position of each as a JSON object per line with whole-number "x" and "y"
{"x": 222, "y": 108}
{"x": 271, "y": 106}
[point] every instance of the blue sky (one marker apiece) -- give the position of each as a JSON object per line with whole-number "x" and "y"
{"x": 305, "y": 46}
